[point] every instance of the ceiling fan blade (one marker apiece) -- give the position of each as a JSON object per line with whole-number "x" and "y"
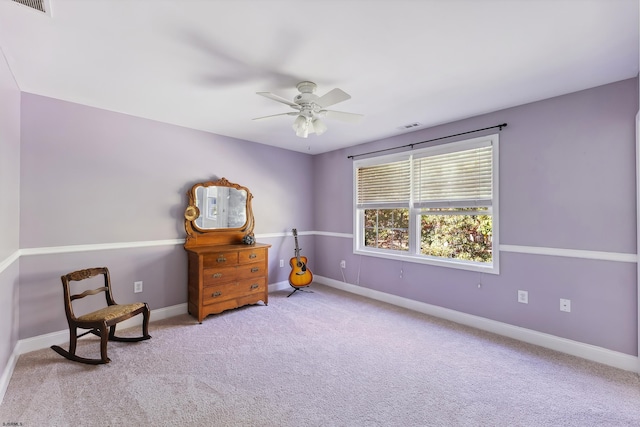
{"x": 292, "y": 113}
{"x": 342, "y": 116}
{"x": 279, "y": 99}
{"x": 332, "y": 97}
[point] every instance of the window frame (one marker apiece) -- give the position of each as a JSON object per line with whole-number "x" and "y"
{"x": 413, "y": 254}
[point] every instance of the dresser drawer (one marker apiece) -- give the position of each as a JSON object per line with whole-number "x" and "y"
{"x": 252, "y": 286}
{"x": 218, "y": 293}
{"x": 222, "y": 259}
{"x": 214, "y": 276}
{"x": 224, "y": 292}
{"x": 253, "y": 255}
{"x": 251, "y": 270}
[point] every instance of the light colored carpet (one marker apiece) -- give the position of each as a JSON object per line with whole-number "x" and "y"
{"x": 327, "y": 358}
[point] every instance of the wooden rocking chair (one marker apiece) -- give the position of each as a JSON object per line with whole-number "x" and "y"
{"x": 101, "y": 322}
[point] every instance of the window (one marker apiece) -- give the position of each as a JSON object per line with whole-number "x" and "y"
{"x": 437, "y": 205}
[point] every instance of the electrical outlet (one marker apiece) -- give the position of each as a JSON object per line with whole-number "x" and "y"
{"x": 523, "y": 297}
{"x": 565, "y": 305}
{"x": 137, "y": 287}
{"x": 281, "y": 263}
{"x": 343, "y": 264}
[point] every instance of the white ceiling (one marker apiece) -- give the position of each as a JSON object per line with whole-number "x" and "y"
{"x": 199, "y": 63}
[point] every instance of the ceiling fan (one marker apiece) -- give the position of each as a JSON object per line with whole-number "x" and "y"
{"x": 310, "y": 108}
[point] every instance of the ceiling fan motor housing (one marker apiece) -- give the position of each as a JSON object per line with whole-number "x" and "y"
{"x": 306, "y": 95}
{"x": 306, "y": 87}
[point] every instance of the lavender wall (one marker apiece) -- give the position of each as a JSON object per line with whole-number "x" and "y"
{"x": 9, "y": 213}
{"x": 94, "y": 176}
{"x": 567, "y": 181}
{"x": 91, "y": 176}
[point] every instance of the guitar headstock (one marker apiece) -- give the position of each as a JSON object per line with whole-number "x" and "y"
{"x": 295, "y": 232}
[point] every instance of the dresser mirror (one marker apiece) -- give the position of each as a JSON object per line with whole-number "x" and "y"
{"x": 220, "y": 207}
{"x": 218, "y": 212}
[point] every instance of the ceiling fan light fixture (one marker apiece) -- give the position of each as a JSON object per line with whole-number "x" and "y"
{"x": 303, "y": 132}
{"x": 301, "y": 126}
{"x": 299, "y": 123}
{"x": 318, "y": 126}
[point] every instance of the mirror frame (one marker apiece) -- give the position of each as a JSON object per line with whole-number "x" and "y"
{"x": 217, "y": 236}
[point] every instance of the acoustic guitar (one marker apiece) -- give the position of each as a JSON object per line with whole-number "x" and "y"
{"x": 300, "y": 275}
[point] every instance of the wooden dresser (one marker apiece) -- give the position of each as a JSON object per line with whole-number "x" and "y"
{"x": 227, "y": 268}
{"x": 223, "y": 277}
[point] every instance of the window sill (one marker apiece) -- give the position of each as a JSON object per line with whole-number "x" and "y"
{"x": 449, "y": 263}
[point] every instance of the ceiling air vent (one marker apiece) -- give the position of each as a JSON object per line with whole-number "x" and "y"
{"x": 410, "y": 125}
{"x": 39, "y": 5}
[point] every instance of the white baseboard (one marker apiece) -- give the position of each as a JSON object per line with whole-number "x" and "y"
{"x": 47, "y": 340}
{"x": 574, "y": 348}
{"x": 6, "y": 375}
{"x": 279, "y": 286}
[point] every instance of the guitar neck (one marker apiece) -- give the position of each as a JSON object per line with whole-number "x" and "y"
{"x": 297, "y": 248}
{"x": 295, "y": 236}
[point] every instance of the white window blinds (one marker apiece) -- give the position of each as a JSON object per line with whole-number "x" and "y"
{"x": 455, "y": 179}
{"x": 387, "y": 184}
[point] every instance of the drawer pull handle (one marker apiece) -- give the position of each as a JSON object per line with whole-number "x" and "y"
{"x": 255, "y": 286}
{"x": 252, "y": 256}
{"x": 221, "y": 258}
{"x": 255, "y": 269}
{"x": 216, "y": 294}
{"x": 217, "y": 275}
